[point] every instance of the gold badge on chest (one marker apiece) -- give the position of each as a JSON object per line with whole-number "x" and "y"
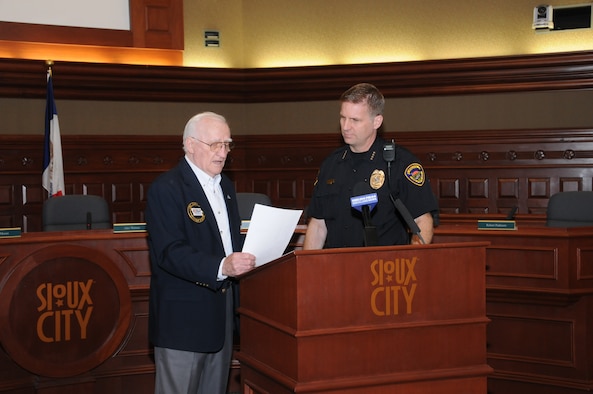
{"x": 377, "y": 179}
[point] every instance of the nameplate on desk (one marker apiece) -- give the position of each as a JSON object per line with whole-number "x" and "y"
{"x": 129, "y": 228}
{"x": 10, "y": 232}
{"x": 497, "y": 225}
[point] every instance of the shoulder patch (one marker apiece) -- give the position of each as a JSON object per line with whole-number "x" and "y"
{"x": 415, "y": 174}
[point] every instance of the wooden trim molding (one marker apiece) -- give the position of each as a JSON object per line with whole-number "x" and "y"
{"x": 29, "y": 32}
{"x": 475, "y": 173}
{"x": 560, "y": 71}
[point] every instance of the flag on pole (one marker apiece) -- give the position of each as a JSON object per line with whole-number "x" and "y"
{"x": 53, "y": 168}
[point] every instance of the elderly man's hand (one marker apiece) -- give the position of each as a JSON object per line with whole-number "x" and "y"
{"x": 238, "y": 263}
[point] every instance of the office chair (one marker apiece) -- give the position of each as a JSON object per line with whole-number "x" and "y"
{"x": 75, "y": 212}
{"x": 570, "y": 209}
{"x": 247, "y": 201}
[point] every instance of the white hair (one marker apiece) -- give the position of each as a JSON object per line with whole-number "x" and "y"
{"x": 192, "y": 125}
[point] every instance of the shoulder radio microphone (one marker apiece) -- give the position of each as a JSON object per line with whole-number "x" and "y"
{"x": 389, "y": 152}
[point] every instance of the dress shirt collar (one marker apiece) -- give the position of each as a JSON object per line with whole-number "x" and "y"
{"x": 204, "y": 179}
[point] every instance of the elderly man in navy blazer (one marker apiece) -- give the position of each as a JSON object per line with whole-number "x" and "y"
{"x": 194, "y": 241}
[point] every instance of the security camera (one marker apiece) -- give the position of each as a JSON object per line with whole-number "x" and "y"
{"x": 543, "y": 17}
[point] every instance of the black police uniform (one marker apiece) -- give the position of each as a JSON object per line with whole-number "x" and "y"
{"x": 343, "y": 171}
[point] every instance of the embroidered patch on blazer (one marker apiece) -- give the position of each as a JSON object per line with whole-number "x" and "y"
{"x": 415, "y": 174}
{"x": 195, "y": 212}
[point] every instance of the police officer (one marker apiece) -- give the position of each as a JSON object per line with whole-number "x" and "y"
{"x": 361, "y": 167}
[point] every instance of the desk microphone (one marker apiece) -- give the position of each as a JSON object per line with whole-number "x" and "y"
{"x": 89, "y": 221}
{"x": 364, "y": 202}
{"x": 511, "y": 215}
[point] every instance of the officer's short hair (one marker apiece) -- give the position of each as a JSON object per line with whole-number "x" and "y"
{"x": 365, "y": 93}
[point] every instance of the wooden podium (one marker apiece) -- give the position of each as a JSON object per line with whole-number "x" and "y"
{"x": 398, "y": 319}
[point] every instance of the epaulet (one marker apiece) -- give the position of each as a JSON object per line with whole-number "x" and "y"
{"x": 341, "y": 152}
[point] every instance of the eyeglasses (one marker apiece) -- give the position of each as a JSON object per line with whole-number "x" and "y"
{"x": 215, "y": 146}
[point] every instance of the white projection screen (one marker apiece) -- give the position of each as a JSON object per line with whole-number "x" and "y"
{"x": 100, "y": 14}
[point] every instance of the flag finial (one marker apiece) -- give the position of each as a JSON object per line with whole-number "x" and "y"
{"x": 49, "y": 63}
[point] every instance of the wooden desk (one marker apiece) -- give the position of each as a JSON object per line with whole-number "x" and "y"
{"x": 74, "y": 312}
{"x": 539, "y": 297}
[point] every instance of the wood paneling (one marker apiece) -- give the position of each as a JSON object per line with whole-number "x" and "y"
{"x": 472, "y": 173}
{"x": 26, "y": 78}
{"x": 490, "y": 172}
{"x": 538, "y": 299}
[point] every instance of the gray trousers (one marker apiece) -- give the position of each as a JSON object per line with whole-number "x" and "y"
{"x": 182, "y": 372}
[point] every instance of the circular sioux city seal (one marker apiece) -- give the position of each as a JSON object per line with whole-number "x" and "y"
{"x": 65, "y": 309}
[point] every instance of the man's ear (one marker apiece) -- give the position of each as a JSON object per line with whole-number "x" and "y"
{"x": 189, "y": 146}
{"x": 377, "y": 122}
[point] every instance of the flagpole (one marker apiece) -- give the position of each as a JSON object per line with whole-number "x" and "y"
{"x": 52, "y": 178}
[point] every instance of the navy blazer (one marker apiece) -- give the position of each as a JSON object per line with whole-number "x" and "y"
{"x": 187, "y": 302}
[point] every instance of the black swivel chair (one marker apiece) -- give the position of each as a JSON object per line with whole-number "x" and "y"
{"x": 75, "y": 212}
{"x": 570, "y": 209}
{"x": 247, "y": 201}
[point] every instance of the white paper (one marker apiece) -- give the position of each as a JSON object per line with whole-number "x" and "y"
{"x": 269, "y": 232}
